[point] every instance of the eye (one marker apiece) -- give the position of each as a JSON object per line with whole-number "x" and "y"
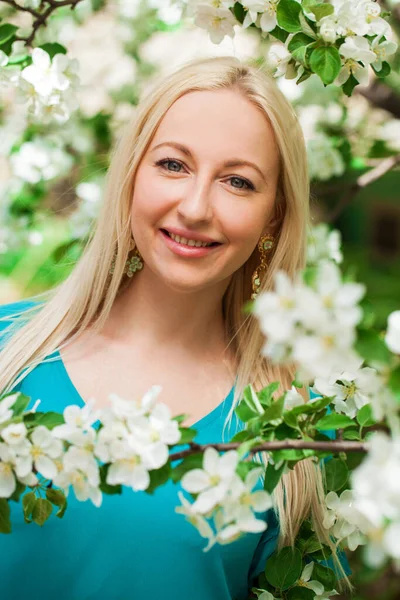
{"x": 248, "y": 183}
{"x": 164, "y": 162}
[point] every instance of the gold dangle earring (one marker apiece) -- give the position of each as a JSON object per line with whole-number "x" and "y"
{"x": 265, "y": 245}
{"x": 133, "y": 263}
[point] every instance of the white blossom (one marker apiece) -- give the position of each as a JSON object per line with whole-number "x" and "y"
{"x": 213, "y": 481}
{"x": 392, "y": 336}
{"x": 352, "y": 390}
{"x": 324, "y": 160}
{"x": 278, "y": 58}
{"x": 324, "y": 243}
{"x": 6, "y": 405}
{"x": 217, "y": 20}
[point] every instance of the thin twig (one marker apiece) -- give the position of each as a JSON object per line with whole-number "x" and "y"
{"x": 333, "y": 447}
{"x": 361, "y": 182}
{"x": 40, "y": 16}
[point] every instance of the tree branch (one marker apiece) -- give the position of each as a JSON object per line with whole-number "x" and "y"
{"x": 333, "y": 447}
{"x": 361, "y": 182}
{"x": 40, "y": 16}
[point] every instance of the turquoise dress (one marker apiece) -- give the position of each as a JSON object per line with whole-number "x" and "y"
{"x": 134, "y": 546}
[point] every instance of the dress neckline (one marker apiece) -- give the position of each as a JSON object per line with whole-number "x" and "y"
{"x": 200, "y": 424}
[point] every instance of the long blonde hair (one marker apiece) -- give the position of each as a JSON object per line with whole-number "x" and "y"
{"x": 85, "y": 298}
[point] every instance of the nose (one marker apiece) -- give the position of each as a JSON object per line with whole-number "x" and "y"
{"x": 196, "y": 205}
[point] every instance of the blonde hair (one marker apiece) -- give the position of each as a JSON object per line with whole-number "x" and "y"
{"x": 85, "y": 298}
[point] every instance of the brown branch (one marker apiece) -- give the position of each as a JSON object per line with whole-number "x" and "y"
{"x": 333, "y": 447}
{"x": 361, "y": 182}
{"x": 40, "y": 17}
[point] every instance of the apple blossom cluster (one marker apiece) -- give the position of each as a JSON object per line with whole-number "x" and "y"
{"x": 369, "y": 513}
{"x": 133, "y": 440}
{"x": 312, "y": 324}
{"x": 323, "y": 243}
{"x": 47, "y": 86}
{"x": 221, "y": 493}
{"x": 353, "y": 34}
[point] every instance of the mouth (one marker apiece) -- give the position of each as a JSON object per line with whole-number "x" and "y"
{"x": 211, "y": 245}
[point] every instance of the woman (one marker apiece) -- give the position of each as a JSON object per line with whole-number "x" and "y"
{"x": 214, "y": 154}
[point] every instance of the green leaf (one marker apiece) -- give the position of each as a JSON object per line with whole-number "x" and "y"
{"x": 187, "y": 435}
{"x": 265, "y": 396}
{"x": 280, "y": 34}
{"x": 323, "y": 554}
{"x": 306, "y": 75}
{"x": 5, "y": 521}
{"x": 349, "y": 85}
{"x": 57, "y": 497}
{"x": 49, "y": 419}
{"x": 322, "y": 10}
{"x": 291, "y": 419}
{"x": 287, "y": 14}
{"x": 295, "y": 382}
{"x": 53, "y": 48}
{"x": 244, "y": 412}
{"x": 28, "y": 502}
{"x": 300, "y": 593}
{"x": 159, "y": 477}
{"x": 371, "y": 346}
{"x": 394, "y": 382}
{"x": 105, "y": 487}
{"x": 307, "y": 26}
{"x": 325, "y": 62}
{"x": 298, "y": 46}
{"x": 274, "y": 412}
{"x": 20, "y": 404}
{"x": 364, "y": 416}
{"x": 334, "y": 421}
{"x": 42, "y": 510}
{"x": 384, "y": 72}
{"x": 272, "y": 477}
{"x": 17, "y": 492}
{"x": 248, "y": 399}
{"x": 6, "y": 32}
{"x": 241, "y": 436}
{"x": 325, "y": 575}
{"x": 284, "y": 568}
{"x": 351, "y": 434}
{"x": 336, "y": 474}
{"x": 311, "y": 545}
{"x": 312, "y": 407}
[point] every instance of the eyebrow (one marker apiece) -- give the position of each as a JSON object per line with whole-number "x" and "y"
{"x": 234, "y": 162}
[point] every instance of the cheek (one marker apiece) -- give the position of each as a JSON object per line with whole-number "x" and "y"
{"x": 149, "y": 197}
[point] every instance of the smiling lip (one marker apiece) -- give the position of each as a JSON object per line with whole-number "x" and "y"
{"x": 190, "y": 235}
{"x": 184, "y": 250}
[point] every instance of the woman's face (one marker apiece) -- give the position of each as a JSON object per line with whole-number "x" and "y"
{"x": 191, "y": 187}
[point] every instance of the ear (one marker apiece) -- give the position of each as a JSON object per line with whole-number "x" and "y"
{"x": 275, "y": 222}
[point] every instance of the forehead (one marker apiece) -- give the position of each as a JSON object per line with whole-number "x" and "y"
{"x": 219, "y": 124}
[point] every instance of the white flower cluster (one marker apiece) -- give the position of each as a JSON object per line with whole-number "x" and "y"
{"x": 312, "y": 325}
{"x": 222, "y": 493}
{"x": 40, "y": 159}
{"x": 369, "y": 513}
{"x": 47, "y": 86}
{"x": 134, "y": 439}
{"x": 354, "y": 389}
{"x": 353, "y": 20}
{"x": 324, "y": 243}
{"x": 90, "y": 194}
{"x": 324, "y": 160}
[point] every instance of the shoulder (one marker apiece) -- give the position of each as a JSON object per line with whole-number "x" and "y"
{"x": 11, "y": 313}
